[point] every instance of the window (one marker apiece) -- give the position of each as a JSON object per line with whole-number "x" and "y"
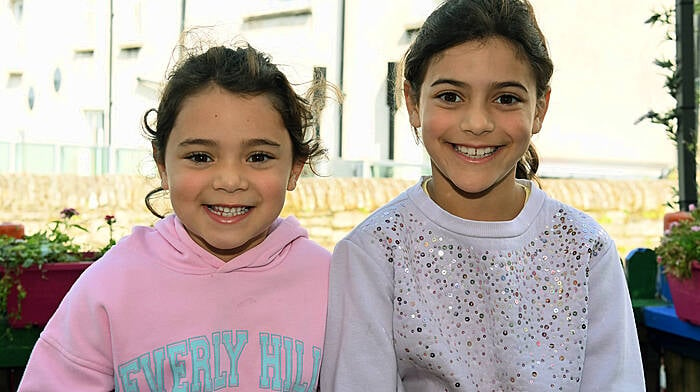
{"x": 128, "y": 24}
{"x": 270, "y": 9}
{"x": 129, "y": 52}
{"x": 83, "y": 54}
{"x": 14, "y": 80}
{"x": 86, "y": 30}
{"x": 17, "y": 9}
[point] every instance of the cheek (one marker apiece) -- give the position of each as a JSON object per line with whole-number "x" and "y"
{"x": 520, "y": 127}
{"x": 272, "y": 181}
{"x": 435, "y": 125}
{"x": 278, "y": 185}
{"x": 184, "y": 186}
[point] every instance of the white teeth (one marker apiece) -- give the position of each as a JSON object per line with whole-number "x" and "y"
{"x": 228, "y": 211}
{"x": 476, "y": 153}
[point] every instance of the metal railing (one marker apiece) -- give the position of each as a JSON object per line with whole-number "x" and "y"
{"x": 44, "y": 158}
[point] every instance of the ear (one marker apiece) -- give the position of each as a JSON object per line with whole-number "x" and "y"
{"x": 294, "y": 175}
{"x": 411, "y": 105}
{"x": 161, "y": 169}
{"x": 541, "y": 111}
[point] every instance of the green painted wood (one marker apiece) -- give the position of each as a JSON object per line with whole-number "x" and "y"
{"x": 641, "y": 270}
{"x": 16, "y": 344}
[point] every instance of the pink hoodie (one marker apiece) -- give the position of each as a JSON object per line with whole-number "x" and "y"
{"x": 158, "y": 312}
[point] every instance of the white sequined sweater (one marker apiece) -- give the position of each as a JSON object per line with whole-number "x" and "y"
{"x": 422, "y": 300}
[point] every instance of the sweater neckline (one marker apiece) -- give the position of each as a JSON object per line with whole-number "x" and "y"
{"x": 491, "y": 229}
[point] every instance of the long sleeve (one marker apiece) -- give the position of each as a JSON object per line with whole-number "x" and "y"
{"x": 63, "y": 374}
{"x": 359, "y": 348}
{"x": 613, "y": 360}
{"x": 78, "y": 326}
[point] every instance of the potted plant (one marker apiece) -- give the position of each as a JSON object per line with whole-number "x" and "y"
{"x": 679, "y": 253}
{"x": 39, "y": 269}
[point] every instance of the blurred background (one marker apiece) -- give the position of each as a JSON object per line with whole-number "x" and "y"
{"x": 76, "y": 77}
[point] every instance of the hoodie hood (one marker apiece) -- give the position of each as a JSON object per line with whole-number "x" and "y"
{"x": 170, "y": 245}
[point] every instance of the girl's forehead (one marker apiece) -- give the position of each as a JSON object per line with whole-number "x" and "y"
{"x": 489, "y": 56}
{"x": 217, "y": 113}
{"x": 478, "y": 47}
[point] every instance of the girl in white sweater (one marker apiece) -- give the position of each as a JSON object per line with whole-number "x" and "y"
{"x": 474, "y": 279}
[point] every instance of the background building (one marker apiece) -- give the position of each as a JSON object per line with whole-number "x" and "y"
{"x": 75, "y": 82}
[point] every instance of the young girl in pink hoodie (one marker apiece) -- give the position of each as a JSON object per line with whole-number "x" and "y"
{"x": 223, "y": 293}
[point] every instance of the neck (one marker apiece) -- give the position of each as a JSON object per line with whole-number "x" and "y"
{"x": 501, "y": 202}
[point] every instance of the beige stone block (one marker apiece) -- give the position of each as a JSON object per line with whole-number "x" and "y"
{"x": 347, "y": 219}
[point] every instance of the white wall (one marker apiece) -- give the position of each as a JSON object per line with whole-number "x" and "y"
{"x": 604, "y": 77}
{"x": 604, "y": 80}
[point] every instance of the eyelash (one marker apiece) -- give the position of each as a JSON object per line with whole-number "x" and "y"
{"x": 456, "y": 98}
{"x": 200, "y": 157}
{"x": 512, "y": 97}
{"x": 451, "y": 94}
{"x": 264, "y": 155}
{"x": 196, "y": 157}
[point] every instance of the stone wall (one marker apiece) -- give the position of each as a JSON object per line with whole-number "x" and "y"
{"x": 631, "y": 211}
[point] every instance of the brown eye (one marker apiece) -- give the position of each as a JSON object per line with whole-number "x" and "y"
{"x": 259, "y": 157}
{"x": 507, "y": 99}
{"x": 450, "y": 97}
{"x": 199, "y": 157}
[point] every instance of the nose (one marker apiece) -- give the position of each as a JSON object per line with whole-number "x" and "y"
{"x": 476, "y": 119}
{"x": 229, "y": 178}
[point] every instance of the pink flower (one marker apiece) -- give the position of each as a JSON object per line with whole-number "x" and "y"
{"x": 695, "y": 228}
{"x": 691, "y": 207}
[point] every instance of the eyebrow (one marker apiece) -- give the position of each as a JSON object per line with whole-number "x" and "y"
{"x": 496, "y": 85}
{"x": 198, "y": 142}
{"x": 211, "y": 143}
{"x": 452, "y": 82}
{"x": 261, "y": 142}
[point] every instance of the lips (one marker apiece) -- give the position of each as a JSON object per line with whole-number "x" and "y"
{"x": 475, "y": 152}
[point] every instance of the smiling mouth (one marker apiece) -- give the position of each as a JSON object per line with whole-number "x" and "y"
{"x": 475, "y": 153}
{"x": 227, "y": 211}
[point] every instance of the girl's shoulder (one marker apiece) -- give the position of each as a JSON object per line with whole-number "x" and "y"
{"x": 572, "y": 221}
{"x": 568, "y": 214}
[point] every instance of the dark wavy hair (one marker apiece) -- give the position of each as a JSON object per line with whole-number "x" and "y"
{"x": 457, "y": 21}
{"x": 241, "y": 70}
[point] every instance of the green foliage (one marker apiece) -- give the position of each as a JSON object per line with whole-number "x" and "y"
{"x": 679, "y": 249}
{"x": 667, "y": 118}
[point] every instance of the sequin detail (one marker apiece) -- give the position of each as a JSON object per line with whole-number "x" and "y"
{"x": 490, "y": 319}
